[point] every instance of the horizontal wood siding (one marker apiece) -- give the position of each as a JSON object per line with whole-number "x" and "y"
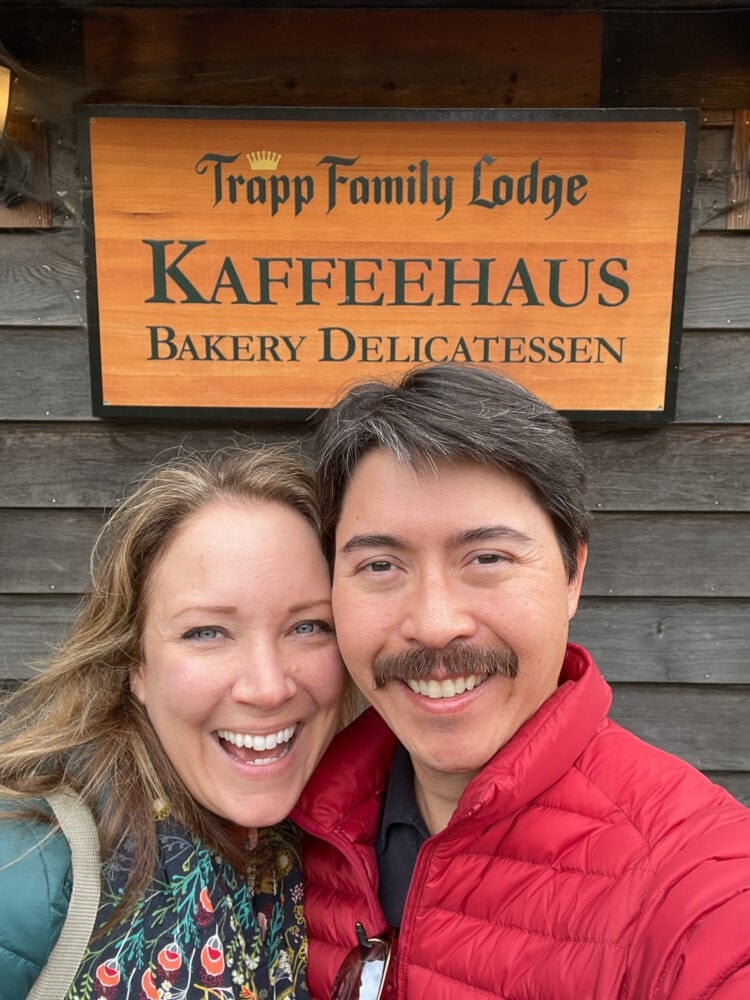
{"x": 666, "y": 605}
{"x": 701, "y": 721}
{"x": 634, "y": 640}
{"x": 33, "y": 625}
{"x": 665, "y": 639}
{"x": 677, "y": 468}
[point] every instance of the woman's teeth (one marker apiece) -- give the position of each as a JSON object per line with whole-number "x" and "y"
{"x": 258, "y": 743}
{"x": 448, "y": 688}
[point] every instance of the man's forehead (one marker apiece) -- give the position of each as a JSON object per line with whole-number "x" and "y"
{"x": 464, "y": 501}
{"x": 421, "y": 469}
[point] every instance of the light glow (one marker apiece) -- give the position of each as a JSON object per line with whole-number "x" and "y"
{"x": 5, "y": 81}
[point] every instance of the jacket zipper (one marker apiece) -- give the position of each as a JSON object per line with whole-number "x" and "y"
{"x": 421, "y": 869}
{"x": 359, "y": 868}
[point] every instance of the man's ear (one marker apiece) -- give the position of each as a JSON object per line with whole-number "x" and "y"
{"x": 575, "y": 584}
{"x": 137, "y": 685}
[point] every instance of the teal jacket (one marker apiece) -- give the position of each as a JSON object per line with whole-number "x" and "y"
{"x": 35, "y": 884}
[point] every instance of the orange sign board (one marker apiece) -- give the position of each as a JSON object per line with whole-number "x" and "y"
{"x": 244, "y": 259}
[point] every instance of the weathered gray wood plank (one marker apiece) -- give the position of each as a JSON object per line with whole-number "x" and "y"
{"x": 710, "y": 203}
{"x": 633, "y": 555}
{"x": 706, "y": 726}
{"x": 713, "y": 381}
{"x": 666, "y": 640}
{"x": 45, "y": 376}
{"x": 669, "y": 555}
{"x": 718, "y": 277}
{"x": 670, "y": 468}
{"x": 42, "y": 279}
{"x": 46, "y": 552}
{"x": 30, "y": 628}
{"x": 89, "y": 464}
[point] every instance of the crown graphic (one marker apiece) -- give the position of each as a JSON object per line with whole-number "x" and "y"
{"x": 263, "y": 159}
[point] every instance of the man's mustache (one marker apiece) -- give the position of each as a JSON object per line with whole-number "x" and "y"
{"x": 459, "y": 660}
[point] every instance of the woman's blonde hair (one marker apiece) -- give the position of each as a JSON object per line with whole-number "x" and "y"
{"x": 77, "y": 724}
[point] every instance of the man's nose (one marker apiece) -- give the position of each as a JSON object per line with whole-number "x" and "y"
{"x": 437, "y": 612}
{"x": 263, "y": 678}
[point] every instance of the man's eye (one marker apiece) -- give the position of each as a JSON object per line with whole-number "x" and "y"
{"x": 489, "y": 558}
{"x": 379, "y": 566}
{"x": 203, "y": 632}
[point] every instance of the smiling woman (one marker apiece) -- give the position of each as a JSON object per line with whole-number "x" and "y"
{"x": 193, "y": 698}
{"x": 239, "y": 672}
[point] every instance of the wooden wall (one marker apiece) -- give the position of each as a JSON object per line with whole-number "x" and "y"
{"x": 666, "y": 609}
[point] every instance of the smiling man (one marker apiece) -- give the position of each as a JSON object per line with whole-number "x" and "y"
{"x": 518, "y": 842}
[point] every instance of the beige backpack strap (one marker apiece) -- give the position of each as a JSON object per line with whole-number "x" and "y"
{"x": 77, "y": 823}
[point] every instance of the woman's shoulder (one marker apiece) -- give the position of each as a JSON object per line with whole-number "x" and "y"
{"x": 35, "y": 884}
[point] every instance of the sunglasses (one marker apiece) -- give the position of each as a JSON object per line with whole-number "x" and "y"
{"x": 363, "y": 972}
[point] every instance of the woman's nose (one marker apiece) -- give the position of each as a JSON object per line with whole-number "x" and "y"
{"x": 263, "y": 678}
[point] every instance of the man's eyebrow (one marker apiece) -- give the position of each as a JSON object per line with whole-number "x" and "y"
{"x": 485, "y": 533}
{"x": 490, "y": 533}
{"x": 373, "y": 541}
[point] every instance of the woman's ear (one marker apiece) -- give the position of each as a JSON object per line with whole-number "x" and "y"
{"x": 137, "y": 685}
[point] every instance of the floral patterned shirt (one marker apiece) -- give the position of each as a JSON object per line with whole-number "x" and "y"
{"x": 202, "y": 931}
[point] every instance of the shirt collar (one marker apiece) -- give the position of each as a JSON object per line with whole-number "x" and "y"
{"x": 400, "y": 803}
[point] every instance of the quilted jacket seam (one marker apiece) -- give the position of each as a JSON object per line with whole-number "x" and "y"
{"x": 17, "y": 957}
{"x": 618, "y": 806}
{"x": 489, "y": 992}
{"x": 463, "y": 984}
{"x": 587, "y": 872}
{"x": 524, "y": 929}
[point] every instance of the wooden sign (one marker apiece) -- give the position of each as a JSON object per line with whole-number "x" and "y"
{"x": 262, "y": 259}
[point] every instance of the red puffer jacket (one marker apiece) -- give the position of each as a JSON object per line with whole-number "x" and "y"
{"x": 581, "y": 864}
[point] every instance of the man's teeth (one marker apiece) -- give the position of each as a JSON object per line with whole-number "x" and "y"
{"x": 251, "y": 742}
{"x": 447, "y": 688}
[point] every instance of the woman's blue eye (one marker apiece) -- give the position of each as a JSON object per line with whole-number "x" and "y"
{"x": 308, "y": 628}
{"x": 202, "y": 632}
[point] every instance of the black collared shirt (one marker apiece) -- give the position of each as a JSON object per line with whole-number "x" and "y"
{"x": 401, "y": 833}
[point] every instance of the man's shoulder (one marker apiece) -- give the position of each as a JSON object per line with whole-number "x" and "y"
{"x": 35, "y": 883}
{"x": 664, "y": 798}
{"x": 694, "y": 901}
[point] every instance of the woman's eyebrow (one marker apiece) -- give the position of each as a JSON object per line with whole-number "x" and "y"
{"x": 206, "y": 609}
{"x": 322, "y": 602}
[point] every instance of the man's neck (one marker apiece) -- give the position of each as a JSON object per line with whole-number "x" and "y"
{"x": 437, "y": 794}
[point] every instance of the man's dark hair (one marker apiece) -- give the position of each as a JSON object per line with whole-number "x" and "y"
{"x": 456, "y": 412}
